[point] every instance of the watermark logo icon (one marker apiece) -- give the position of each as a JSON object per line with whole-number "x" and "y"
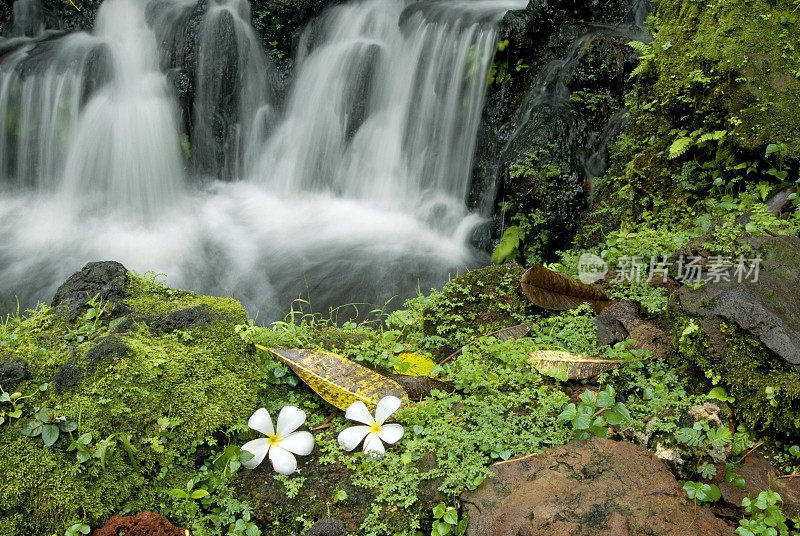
{"x": 591, "y": 268}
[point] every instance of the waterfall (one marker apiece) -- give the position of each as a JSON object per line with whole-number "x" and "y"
{"x": 385, "y": 112}
{"x": 125, "y": 155}
{"x": 350, "y": 189}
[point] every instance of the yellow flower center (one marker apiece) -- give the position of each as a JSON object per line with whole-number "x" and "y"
{"x": 274, "y": 439}
{"x": 375, "y": 428}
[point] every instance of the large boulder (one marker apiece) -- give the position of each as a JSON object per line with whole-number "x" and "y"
{"x": 555, "y": 101}
{"x": 747, "y": 334}
{"x": 160, "y": 367}
{"x": 765, "y": 307}
{"x": 597, "y": 488}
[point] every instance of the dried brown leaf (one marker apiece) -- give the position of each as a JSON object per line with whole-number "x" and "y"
{"x": 558, "y": 292}
{"x": 578, "y": 367}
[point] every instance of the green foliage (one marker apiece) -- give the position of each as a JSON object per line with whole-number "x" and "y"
{"x": 92, "y": 325}
{"x": 703, "y": 436}
{"x": 509, "y": 247}
{"x": 446, "y": 521}
{"x": 78, "y": 529}
{"x": 702, "y": 493}
{"x": 49, "y": 425}
{"x": 703, "y": 110}
{"x": 595, "y": 413}
{"x": 765, "y": 516}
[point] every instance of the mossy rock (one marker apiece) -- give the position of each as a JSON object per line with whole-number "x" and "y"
{"x": 745, "y": 333}
{"x": 119, "y": 384}
{"x": 170, "y": 384}
{"x": 477, "y": 303}
{"x": 747, "y": 371}
{"x": 727, "y": 66}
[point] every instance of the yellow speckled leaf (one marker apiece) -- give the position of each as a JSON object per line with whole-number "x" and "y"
{"x": 337, "y": 379}
{"x": 578, "y": 366}
{"x": 418, "y": 364}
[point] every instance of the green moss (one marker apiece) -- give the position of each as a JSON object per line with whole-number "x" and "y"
{"x": 200, "y": 378}
{"x": 728, "y": 70}
{"x": 747, "y": 371}
{"x": 469, "y": 306}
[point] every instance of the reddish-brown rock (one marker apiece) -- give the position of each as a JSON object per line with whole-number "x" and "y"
{"x": 595, "y": 488}
{"x": 759, "y": 475}
{"x": 143, "y": 524}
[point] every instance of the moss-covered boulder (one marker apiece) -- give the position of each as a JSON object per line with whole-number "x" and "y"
{"x": 472, "y": 305}
{"x": 717, "y": 85}
{"x": 147, "y": 388}
{"x": 745, "y": 334}
{"x": 134, "y": 397}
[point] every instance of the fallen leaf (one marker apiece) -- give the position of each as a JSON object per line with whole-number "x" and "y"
{"x": 337, "y": 379}
{"x": 558, "y": 292}
{"x": 578, "y": 367}
{"x": 418, "y": 364}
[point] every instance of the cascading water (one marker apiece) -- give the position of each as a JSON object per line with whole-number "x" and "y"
{"x": 125, "y": 155}
{"x": 354, "y": 190}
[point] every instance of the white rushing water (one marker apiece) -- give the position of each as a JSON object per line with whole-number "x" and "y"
{"x": 350, "y": 189}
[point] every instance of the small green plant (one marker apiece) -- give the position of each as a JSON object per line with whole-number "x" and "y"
{"x": 595, "y": 413}
{"x": 701, "y": 434}
{"x": 78, "y": 529}
{"x": 446, "y": 521}
{"x": 700, "y": 492}
{"x": 510, "y": 244}
{"x": 92, "y": 326}
{"x": 189, "y": 492}
{"x": 766, "y": 516}
{"x": 15, "y": 399}
{"x": 49, "y": 425}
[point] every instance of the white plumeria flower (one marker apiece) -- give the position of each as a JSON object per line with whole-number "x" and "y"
{"x": 375, "y": 431}
{"x": 282, "y": 441}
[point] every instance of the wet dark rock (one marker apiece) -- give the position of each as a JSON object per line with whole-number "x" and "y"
{"x": 62, "y": 16}
{"x": 109, "y": 348}
{"x": 183, "y": 319}
{"x": 12, "y": 373}
{"x": 5, "y": 18}
{"x": 106, "y": 280}
{"x": 280, "y": 23}
{"x": 626, "y": 320}
{"x": 766, "y": 308}
{"x": 599, "y": 488}
{"x": 562, "y": 100}
{"x": 327, "y": 527}
{"x": 67, "y": 376}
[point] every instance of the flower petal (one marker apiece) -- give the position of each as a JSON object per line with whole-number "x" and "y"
{"x": 300, "y": 443}
{"x": 282, "y": 460}
{"x": 349, "y": 438}
{"x": 258, "y": 448}
{"x": 358, "y": 412}
{"x": 373, "y": 446}
{"x": 290, "y": 419}
{"x": 386, "y": 406}
{"x": 260, "y": 421}
{"x": 391, "y": 433}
